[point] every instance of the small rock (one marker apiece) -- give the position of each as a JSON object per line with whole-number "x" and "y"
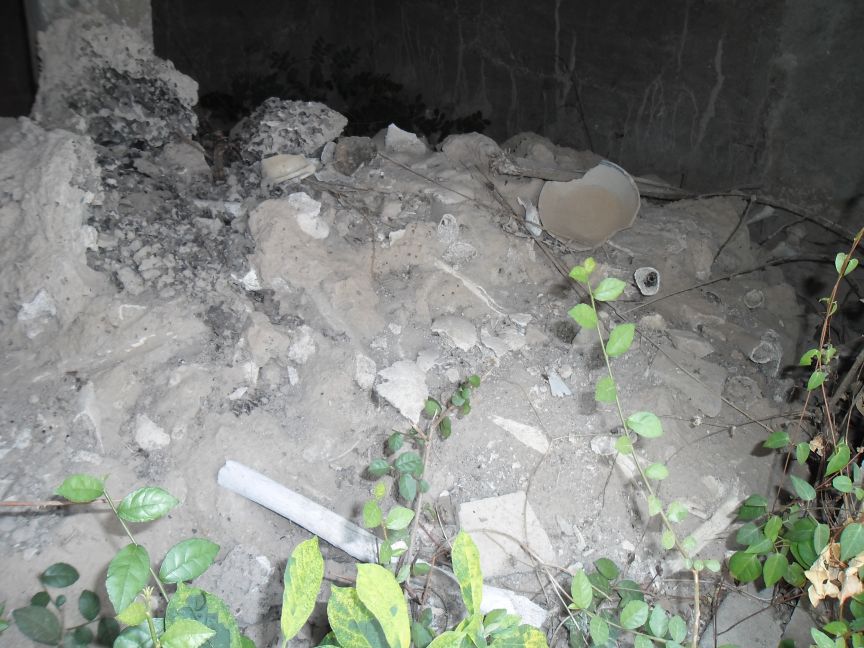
{"x": 350, "y": 153}
{"x": 404, "y": 387}
{"x": 603, "y": 445}
{"x": 458, "y": 330}
{"x": 303, "y": 345}
{"x": 690, "y": 343}
{"x": 148, "y": 435}
{"x": 364, "y": 371}
{"x": 307, "y": 212}
{"x": 557, "y": 386}
{"x": 397, "y": 140}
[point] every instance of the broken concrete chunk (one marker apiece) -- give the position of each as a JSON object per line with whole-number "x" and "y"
{"x": 350, "y": 153}
{"x": 284, "y": 167}
{"x": 281, "y": 126}
{"x": 493, "y": 521}
{"x": 557, "y": 385}
{"x": 307, "y": 212}
{"x": 690, "y": 343}
{"x": 364, "y": 371}
{"x": 529, "y": 435}
{"x": 458, "y": 330}
{"x": 404, "y": 387}
{"x": 302, "y": 345}
{"x": 148, "y": 435}
{"x": 397, "y": 140}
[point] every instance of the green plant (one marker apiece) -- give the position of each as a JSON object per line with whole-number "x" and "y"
{"x": 405, "y": 461}
{"x": 814, "y": 538}
{"x": 374, "y": 613}
{"x": 192, "y": 617}
{"x": 608, "y": 606}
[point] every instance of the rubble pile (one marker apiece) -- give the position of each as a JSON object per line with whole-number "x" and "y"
{"x": 162, "y": 319}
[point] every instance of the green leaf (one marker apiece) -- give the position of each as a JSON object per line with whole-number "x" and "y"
{"x": 676, "y": 512}
{"x": 584, "y": 316}
{"x": 748, "y": 534}
{"x": 745, "y": 567}
{"x": 657, "y": 471}
{"x": 677, "y": 629}
{"x": 580, "y": 274}
{"x": 609, "y": 289}
{"x": 620, "y": 340}
{"x": 795, "y": 575}
{"x": 605, "y": 391}
{"x": 803, "y": 489}
{"x": 410, "y": 463}
{"x": 186, "y": 633}
{"x": 802, "y": 452}
{"x": 432, "y": 407}
{"x": 38, "y": 624}
{"x": 774, "y": 569}
{"x": 836, "y": 628}
{"x": 246, "y": 642}
{"x": 59, "y": 575}
{"x": 398, "y": 518}
{"x": 187, "y": 560}
{"x": 654, "y": 505}
{"x": 816, "y": 379}
{"x": 581, "y": 591}
{"x": 634, "y": 615}
{"x": 81, "y": 488}
{"x": 641, "y": 641}
{"x": 134, "y": 615}
{"x": 457, "y": 399}
{"x": 822, "y": 640}
{"x": 667, "y": 540}
{"x": 606, "y": 567}
{"x": 395, "y": 442}
{"x": 352, "y": 623}
{"x": 807, "y": 359}
{"x": 146, "y": 505}
{"x": 107, "y": 630}
{"x": 449, "y": 639}
{"x": 466, "y": 567}
{"x": 658, "y": 622}
{"x": 378, "y": 468}
{"x": 821, "y": 535}
{"x": 851, "y": 541}
{"x": 779, "y": 439}
{"x": 624, "y": 445}
{"x": 82, "y": 635}
{"x": 372, "y": 516}
{"x": 599, "y": 630}
{"x": 137, "y": 637}
{"x": 838, "y": 459}
{"x": 772, "y": 527}
{"x": 382, "y": 596}
{"x": 645, "y": 424}
{"x": 445, "y": 428}
{"x": 842, "y": 483}
{"x": 423, "y": 486}
{"x": 128, "y": 573}
{"x": 89, "y": 605}
{"x": 712, "y": 565}
{"x": 850, "y": 265}
{"x": 302, "y": 580}
{"x": 204, "y": 607}
{"x": 407, "y": 487}
{"x": 830, "y": 352}
{"x": 60, "y": 601}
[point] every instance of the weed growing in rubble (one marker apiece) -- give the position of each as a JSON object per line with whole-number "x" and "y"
{"x": 609, "y": 606}
{"x": 192, "y": 617}
{"x": 814, "y": 539}
{"x": 406, "y": 462}
{"x": 375, "y": 613}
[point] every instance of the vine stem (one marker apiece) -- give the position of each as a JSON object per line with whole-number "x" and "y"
{"x": 646, "y": 484}
{"x": 135, "y": 542}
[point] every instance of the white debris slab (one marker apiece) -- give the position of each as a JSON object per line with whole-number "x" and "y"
{"x": 524, "y": 433}
{"x": 499, "y": 526}
{"x": 148, "y": 435}
{"x": 404, "y": 387}
{"x": 458, "y": 330}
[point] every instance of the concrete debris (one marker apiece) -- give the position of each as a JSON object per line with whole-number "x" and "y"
{"x": 148, "y": 435}
{"x": 280, "y": 126}
{"x": 528, "y": 434}
{"x": 494, "y": 523}
{"x": 104, "y": 80}
{"x": 397, "y": 140}
{"x": 557, "y": 385}
{"x": 691, "y": 343}
{"x": 404, "y": 387}
{"x": 285, "y": 167}
{"x": 459, "y": 331}
{"x": 351, "y": 153}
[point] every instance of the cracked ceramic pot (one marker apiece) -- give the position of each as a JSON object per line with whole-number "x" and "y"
{"x": 587, "y": 211}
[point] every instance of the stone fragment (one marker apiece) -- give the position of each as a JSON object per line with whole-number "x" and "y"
{"x": 690, "y": 343}
{"x": 404, "y": 387}
{"x": 243, "y": 577}
{"x": 364, "y": 371}
{"x": 704, "y": 395}
{"x": 302, "y": 345}
{"x": 397, "y": 140}
{"x": 148, "y": 435}
{"x": 527, "y": 434}
{"x": 557, "y": 385}
{"x": 458, "y": 330}
{"x": 284, "y": 167}
{"x": 351, "y": 153}
{"x": 508, "y": 515}
{"x": 281, "y": 126}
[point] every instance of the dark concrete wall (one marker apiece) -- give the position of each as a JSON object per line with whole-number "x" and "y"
{"x": 711, "y": 93}
{"x": 17, "y": 89}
